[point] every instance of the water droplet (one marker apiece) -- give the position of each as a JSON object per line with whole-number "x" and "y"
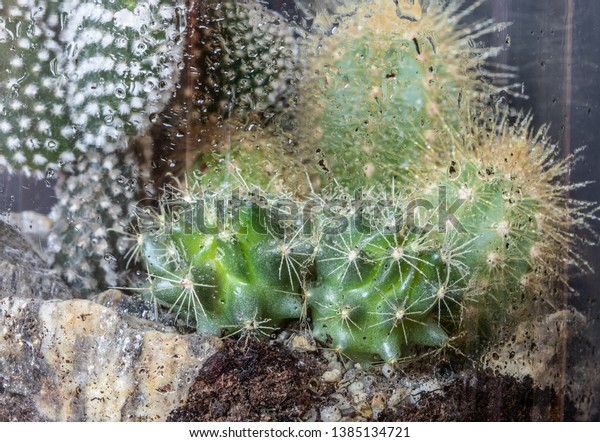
{"x": 120, "y": 92}
{"x": 153, "y": 118}
{"x": 50, "y": 173}
{"x": 108, "y": 257}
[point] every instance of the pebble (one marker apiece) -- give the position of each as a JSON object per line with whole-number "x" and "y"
{"x": 357, "y": 390}
{"x": 301, "y": 343}
{"x": 378, "y": 403}
{"x": 332, "y": 376}
{"x": 397, "y": 396}
{"x": 331, "y": 414}
{"x": 365, "y": 410}
{"x": 388, "y": 371}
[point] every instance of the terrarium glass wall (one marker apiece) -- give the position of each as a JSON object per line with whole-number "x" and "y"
{"x": 200, "y": 88}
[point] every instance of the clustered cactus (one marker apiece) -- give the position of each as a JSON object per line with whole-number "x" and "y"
{"x": 381, "y": 275}
{"x": 441, "y": 219}
{"x": 466, "y": 221}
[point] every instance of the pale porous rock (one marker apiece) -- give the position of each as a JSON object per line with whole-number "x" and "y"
{"x": 79, "y": 361}
{"x": 23, "y": 273}
{"x": 547, "y": 349}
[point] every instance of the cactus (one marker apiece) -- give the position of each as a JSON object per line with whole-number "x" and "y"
{"x": 248, "y": 58}
{"x": 239, "y": 271}
{"x": 94, "y": 216}
{"x": 386, "y": 87}
{"x": 484, "y": 241}
{"x": 81, "y": 75}
{"x": 34, "y": 121}
{"x": 471, "y": 245}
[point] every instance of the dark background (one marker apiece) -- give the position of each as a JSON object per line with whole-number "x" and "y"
{"x": 556, "y": 46}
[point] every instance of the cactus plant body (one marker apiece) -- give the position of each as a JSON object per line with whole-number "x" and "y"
{"x": 80, "y": 75}
{"x": 383, "y": 88}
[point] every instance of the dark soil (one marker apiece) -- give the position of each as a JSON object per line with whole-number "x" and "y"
{"x": 485, "y": 397}
{"x": 266, "y": 382}
{"x": 257, "y": 382}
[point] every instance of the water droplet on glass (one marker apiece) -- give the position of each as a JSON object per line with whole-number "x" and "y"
{"x": 120, "y": 92}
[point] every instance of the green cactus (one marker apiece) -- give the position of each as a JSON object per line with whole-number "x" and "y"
{"x": 241, "y": 272}
{"x": 248, "y": 58}
{"x": 469, "y": 247}
{"x": 80, "y": 75}
{"x": 466, "y": 242}
{"x": 386, "y": 88}
{"x": 93, "y": 219}
{"x": 34, "y": 121}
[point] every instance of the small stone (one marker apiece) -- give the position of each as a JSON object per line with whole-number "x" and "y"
{"x": 398, "y": 396}
{"x": 357, "y": 390}
{"x": 365, "y": 410}
{"x": 335, "y": 365}
{"x": 332, "y": 376}
{"x": 310, "y": 416}
{"x": 300, "y": 342}
{"x": 378, "y": 403}
{"x": 342, "y": 403}
{"x": 388, "y": 371}
{"x": 331, "y": 414}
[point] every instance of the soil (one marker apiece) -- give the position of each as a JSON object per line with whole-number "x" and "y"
{"x": 485, "y": 397}
{"x": 255, "y": 382}
{"x": 268, "y": 382}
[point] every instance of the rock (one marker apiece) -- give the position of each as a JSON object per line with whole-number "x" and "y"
{"x": 331, "y": 414}
{"x": 79, "y": 361}
{"x": 332, "y": 376}
{"x": 378, "y": 403}
{"x": 23, "y": 273}
{"x": 34, "y": 226}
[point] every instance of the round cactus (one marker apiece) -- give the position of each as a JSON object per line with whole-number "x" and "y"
{"x": 386, "y": 86}
{"x": 80, "y": 75}
{"x": 248, "y": 58}
{"x": 224, "y": 261}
